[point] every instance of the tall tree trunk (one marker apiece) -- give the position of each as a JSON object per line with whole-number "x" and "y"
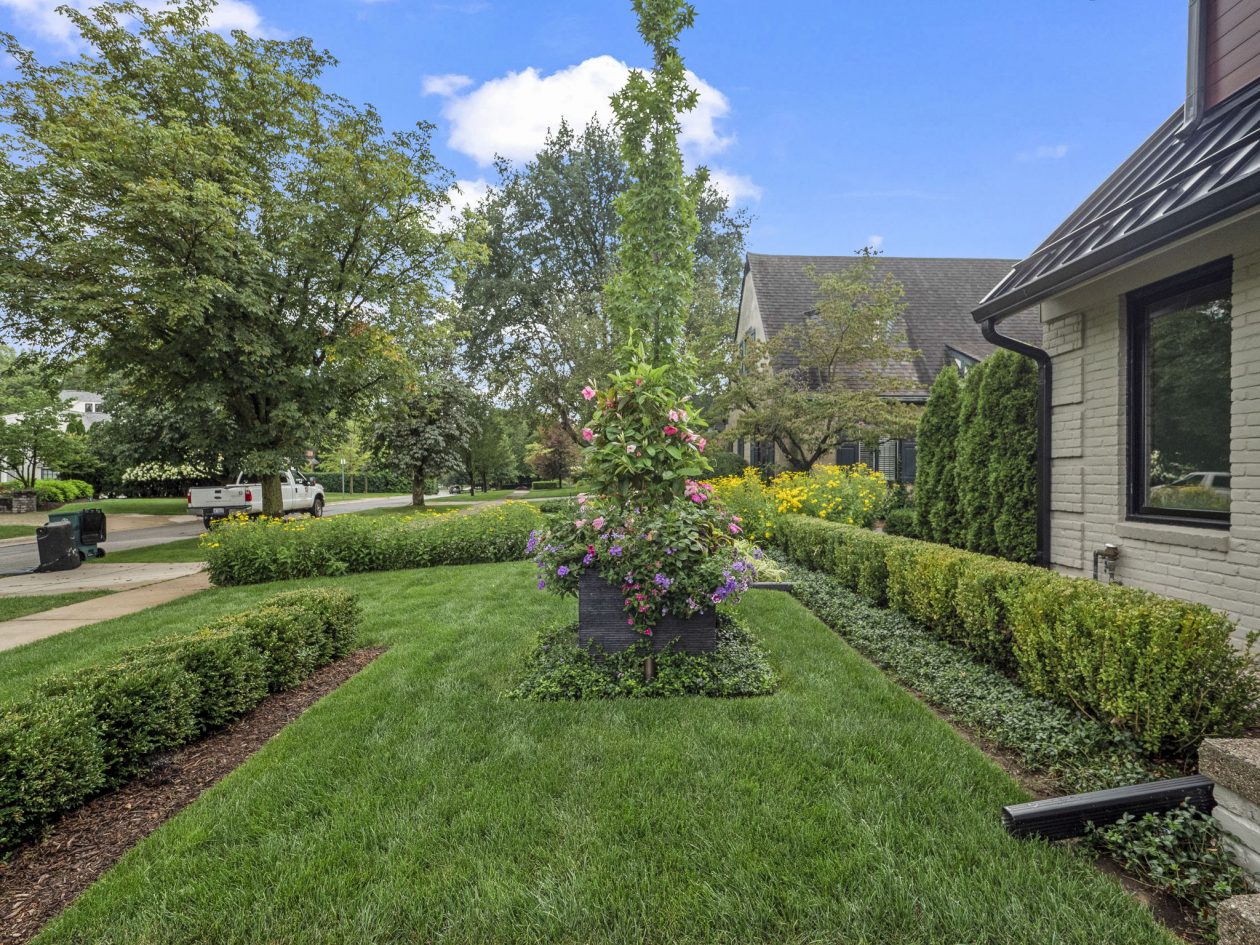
{"x": 417, "y": 487}
{"x": 272, "y": 495}
{"x": 484, "y": 487}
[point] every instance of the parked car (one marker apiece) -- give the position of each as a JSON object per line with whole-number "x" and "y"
{"x": 299, "y": 494}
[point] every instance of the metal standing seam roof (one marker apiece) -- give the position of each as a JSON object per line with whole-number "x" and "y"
{"x": 1179, "y": 181}
{"x": 939, "y": 297}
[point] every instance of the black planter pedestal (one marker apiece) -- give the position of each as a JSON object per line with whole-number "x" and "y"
{"x": 602, "y": 620}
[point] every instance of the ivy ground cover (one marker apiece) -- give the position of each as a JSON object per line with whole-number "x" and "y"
{"x": 417, "y": 803}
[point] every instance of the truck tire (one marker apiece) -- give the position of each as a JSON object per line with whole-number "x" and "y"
{"x": 317, "y": 507}
{"x": 206, "y": 522}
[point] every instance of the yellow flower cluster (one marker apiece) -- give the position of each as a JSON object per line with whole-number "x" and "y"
{"x": 853, "y": 495}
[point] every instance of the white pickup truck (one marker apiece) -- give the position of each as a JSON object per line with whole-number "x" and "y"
{"x": 299, "y": 493}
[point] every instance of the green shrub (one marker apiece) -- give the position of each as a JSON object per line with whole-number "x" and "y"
{"x": 84, "y": 731}
{"x": 902, "y": 521}
{"x": 1163, "y": 669}
{"x": 1179, "y": 852}
{"x": 62, "y": 490}
{"x": 338, "y": 612}
{"x": 260, "y": 550}
{"x": 141, "y": 706}
{"x": 938, "y": 516}
{"x": 1160, "y": 668}
{"x": 725, "y": 463}
{"x": 228, "y": 668}
{"x": 545, "y": 484}
{"x": 50, "y": 760}
{"x": 561, "y": 669}
{"x": 1008, "y": 406}
{"x": 1079, "y": 753}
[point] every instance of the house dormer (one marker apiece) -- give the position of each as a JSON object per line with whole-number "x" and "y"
{"x": 1224, "y": 54}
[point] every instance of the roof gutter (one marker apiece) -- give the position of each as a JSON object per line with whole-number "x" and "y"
{"x": 988, "y": 328}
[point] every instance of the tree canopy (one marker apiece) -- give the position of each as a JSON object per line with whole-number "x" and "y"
{"x": 834, "y": 377}
{"x": 195, "y": 213}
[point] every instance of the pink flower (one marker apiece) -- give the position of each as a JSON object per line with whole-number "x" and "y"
{"x": 588, "y": 434}
{"x": 588, "y": 392}
{"x": 670, "y": 430}
{"x": 638, "y": 382}
{"x": 578, "y": 523}
{"x": 735, "y": 529}
{"x": 630, "y": 448}
{"x": 647, "y": 631}
{"x": 598, "y": 523}
{"x": 581, "y": 498}
{"x": 701, "y": 443}
{"x": 673, "y": 416}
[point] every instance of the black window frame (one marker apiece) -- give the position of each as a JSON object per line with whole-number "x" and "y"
{"x": 1138, "y": 302}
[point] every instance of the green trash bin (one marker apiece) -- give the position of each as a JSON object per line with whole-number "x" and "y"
{"x": 87, "y": 528}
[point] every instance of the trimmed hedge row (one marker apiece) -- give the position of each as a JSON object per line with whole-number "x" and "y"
{"x": 545, "y": 484}
{"x": 81, "y": 733}
{"x": 1160, "y": 668}
{"x": 259, "y": 550}
{"x": 55, "y": 490}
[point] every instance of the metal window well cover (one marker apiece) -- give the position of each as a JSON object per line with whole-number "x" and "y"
{"x": 1179, "y": 181}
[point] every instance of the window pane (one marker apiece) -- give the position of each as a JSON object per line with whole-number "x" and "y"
{"x": 1187, "y": 402}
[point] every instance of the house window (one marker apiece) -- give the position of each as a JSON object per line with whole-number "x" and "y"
{"x": 1179, "y": 397}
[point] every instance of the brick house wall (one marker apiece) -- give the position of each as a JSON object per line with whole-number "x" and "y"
{"x": 1086, "y": 335}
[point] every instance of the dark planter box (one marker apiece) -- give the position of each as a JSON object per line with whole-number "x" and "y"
{"x": 602, "y": 620}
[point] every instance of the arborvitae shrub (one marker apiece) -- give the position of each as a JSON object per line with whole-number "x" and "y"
{"x": 1008, "y": 406}
{"x": 937, "y": 515}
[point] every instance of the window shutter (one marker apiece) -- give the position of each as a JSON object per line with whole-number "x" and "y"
{"x": 847, "y": 454}
{"x": 909, "y": 457}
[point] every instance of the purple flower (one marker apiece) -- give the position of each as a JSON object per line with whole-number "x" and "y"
{"x": 738, "y": 566}
{"x": 758, "y": 554}
{"x": 588, "y": 558}
{"x": 663, "y": 581}
{"x": 562, "y": 570}
{"x": 615, "y": 551}
{"x": 541, "y": 584}
{"x": 532, "y": 543}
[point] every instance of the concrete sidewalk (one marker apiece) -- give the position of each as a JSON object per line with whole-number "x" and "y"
{"x": 141, "y": 595}
{"x": 95, "y": 577}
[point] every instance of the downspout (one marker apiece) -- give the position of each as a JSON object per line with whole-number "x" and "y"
{"x": 988, "y": 328}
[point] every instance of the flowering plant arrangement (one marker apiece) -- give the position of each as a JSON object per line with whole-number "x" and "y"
{"x": 653, "y": 530}
{"x": 682, "y": 558}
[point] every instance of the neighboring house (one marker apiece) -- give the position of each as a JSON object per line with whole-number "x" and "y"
{"x": 1150, "y": 300}
{"x": 87, "y": 406}
{"x": 939, "y": 297}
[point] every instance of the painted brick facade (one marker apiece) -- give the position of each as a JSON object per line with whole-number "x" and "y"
{"x": 1086, "y": 335}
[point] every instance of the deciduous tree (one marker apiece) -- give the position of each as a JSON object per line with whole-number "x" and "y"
{"x": 834, "y": 377}
{"x": 199, "y": 214}
{"x": 424, "y": 430}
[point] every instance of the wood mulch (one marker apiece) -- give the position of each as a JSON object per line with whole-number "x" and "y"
{"x": 43, "y": 878}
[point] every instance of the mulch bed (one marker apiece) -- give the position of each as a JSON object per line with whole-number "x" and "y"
{"x": 43, "y": 878}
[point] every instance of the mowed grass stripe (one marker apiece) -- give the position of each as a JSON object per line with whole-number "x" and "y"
{"x": 416, "y": 804}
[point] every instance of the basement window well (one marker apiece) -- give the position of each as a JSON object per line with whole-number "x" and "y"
{"x": 1179, "y": 398}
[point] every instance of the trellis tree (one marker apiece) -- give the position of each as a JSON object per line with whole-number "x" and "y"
{"x": 195, "y": 212}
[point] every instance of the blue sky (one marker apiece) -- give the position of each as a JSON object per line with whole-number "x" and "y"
{"x": 933, "y": 128}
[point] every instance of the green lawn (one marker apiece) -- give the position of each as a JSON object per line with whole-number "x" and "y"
{"x": 494, "y": 494}
{"x": 17, "y": 531}
{"x": 359, "y": 496}
{"x": 13, "y": 607}
{"x": 184, "y": 549}
{"x": 175, "y": 506}
{"x": 417, "y": 804}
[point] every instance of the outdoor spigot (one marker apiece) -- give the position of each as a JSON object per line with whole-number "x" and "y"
{"x": 1109, "y": 554}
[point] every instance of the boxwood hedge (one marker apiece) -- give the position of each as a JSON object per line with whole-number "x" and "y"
{"x": 1162, "y": 669}
{"x": 259, "y": 550}
{"x": 80, "y": 733}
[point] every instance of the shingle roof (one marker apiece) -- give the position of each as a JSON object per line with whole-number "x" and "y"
{"x": 939, "y": 297}
{"x": 1177, "y": 182}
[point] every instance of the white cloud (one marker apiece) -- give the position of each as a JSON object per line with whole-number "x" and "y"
{"x": 1044, "y": 152}
{"x": 737, "y": 187}
{"x": 41, "y": 17}
{"x": 511, "y": 115}
{"x": 462, "y": 195}
{"x": 445, "y": 85}
{"x": 875, "y": 241}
